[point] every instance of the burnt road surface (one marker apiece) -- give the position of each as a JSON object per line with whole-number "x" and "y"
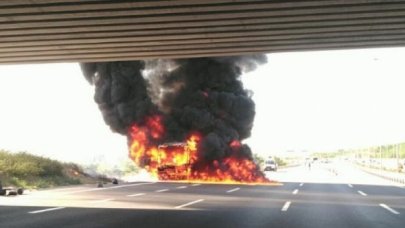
{"x": 331, "y": 195}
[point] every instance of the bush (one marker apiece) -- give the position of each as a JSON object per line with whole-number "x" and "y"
{"x": 280, "y": 162}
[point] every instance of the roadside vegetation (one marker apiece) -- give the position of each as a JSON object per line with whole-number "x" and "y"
{"x": 103, "y": 169}
{"x": 384, "y": 151}
{"x": 29, "y": 171}
{"x": 259, "y": 160}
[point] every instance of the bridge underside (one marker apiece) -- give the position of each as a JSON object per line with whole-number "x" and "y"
{"x": 33, "y": 31}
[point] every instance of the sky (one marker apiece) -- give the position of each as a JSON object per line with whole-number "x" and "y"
{"x": 305, "y": 101}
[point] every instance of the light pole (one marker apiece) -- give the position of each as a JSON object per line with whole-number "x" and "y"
{"x": 397, "y": 155}
{"x": 367, "y": 150}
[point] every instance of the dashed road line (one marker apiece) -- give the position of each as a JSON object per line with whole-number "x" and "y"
{"x": 46, "y": 210}
{"x": 162, "y": 190}
{"x": 232, "y": 190}
{"x": 58, "y": 190}
{"x": 351, "y": 186}
{"x": 302, "y": 184}
{"x": 188, "y": 204}
{"x": 286, "y": 206}
{"x": 362, "y": 193}
{"x": 181, "y": 187}
{"x": 102, "y": 201}
{"x": 137, "y": 194}
{"x": 389, "y": 209}
{"x": 295, "y": 192}
{"x": 195, "y": 185}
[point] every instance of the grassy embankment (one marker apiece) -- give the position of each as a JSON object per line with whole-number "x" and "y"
{"x": 32, "y": 172}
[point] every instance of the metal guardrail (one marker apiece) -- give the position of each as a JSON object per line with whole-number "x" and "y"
{"x": 395, "y": 178}
{"x": 289, "y": 166}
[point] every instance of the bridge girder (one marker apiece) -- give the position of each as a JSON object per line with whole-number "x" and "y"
{"x": 33, "y": 31}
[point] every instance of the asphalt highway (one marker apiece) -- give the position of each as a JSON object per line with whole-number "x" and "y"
{"x": 344, "y": 197}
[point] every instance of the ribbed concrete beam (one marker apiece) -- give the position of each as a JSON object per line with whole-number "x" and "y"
{"x": 109, "y": 30}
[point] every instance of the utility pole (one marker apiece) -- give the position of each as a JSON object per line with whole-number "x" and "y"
{"x": 380, "y": 148}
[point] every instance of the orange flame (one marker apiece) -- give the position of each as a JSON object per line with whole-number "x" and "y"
{"x": 180, "y": 161}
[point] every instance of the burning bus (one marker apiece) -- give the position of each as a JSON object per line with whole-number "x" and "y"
{"x": 174, "y": 161}
{"x": 181, "y": 161}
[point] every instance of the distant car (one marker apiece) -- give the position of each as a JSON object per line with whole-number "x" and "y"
{"x": 8, "y": 191}
{"x": 114, "y": 181}
{"x": 270, "y": 165}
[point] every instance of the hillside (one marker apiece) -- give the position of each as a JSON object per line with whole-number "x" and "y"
{"x": 30, "y": 171}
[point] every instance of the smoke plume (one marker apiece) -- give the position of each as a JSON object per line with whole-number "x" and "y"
{"x": 203, "y": 95}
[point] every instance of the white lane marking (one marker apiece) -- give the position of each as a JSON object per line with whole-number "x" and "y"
{"x": 286, "y": 206}
{"x": 100, "y": 189}
{"x": 351, "y": 186}
{"x": 233, "y": 190}
{"x": 162, "y": 190}
{"x": 181, "y": 187}
{"x": 102, "y": 201}
{"x": 188, "y": 204}
{"x": 362, "y": 193}
{"x": 302, "y": 184}
{"x": 389, "y": 209}
{"x": 137, "y": 194}
{"x": 195, "y": 185}
{"x": 46, "y": 210}
{"x": 295, "y": 192}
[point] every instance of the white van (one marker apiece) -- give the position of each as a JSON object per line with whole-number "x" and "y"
{"x": 270, "y": 165}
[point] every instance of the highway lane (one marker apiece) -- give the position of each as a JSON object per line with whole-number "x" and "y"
{"x": 337, "y": 205}
{"x": 307, "y": 198}
{"x": 338, "y": 201}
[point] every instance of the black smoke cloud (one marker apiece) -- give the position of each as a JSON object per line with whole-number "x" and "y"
{"x": 120, "y": 92}
{"x": 203, "y": 95}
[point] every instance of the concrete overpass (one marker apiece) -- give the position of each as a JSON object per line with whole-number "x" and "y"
{"x": 33, "y": 31}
